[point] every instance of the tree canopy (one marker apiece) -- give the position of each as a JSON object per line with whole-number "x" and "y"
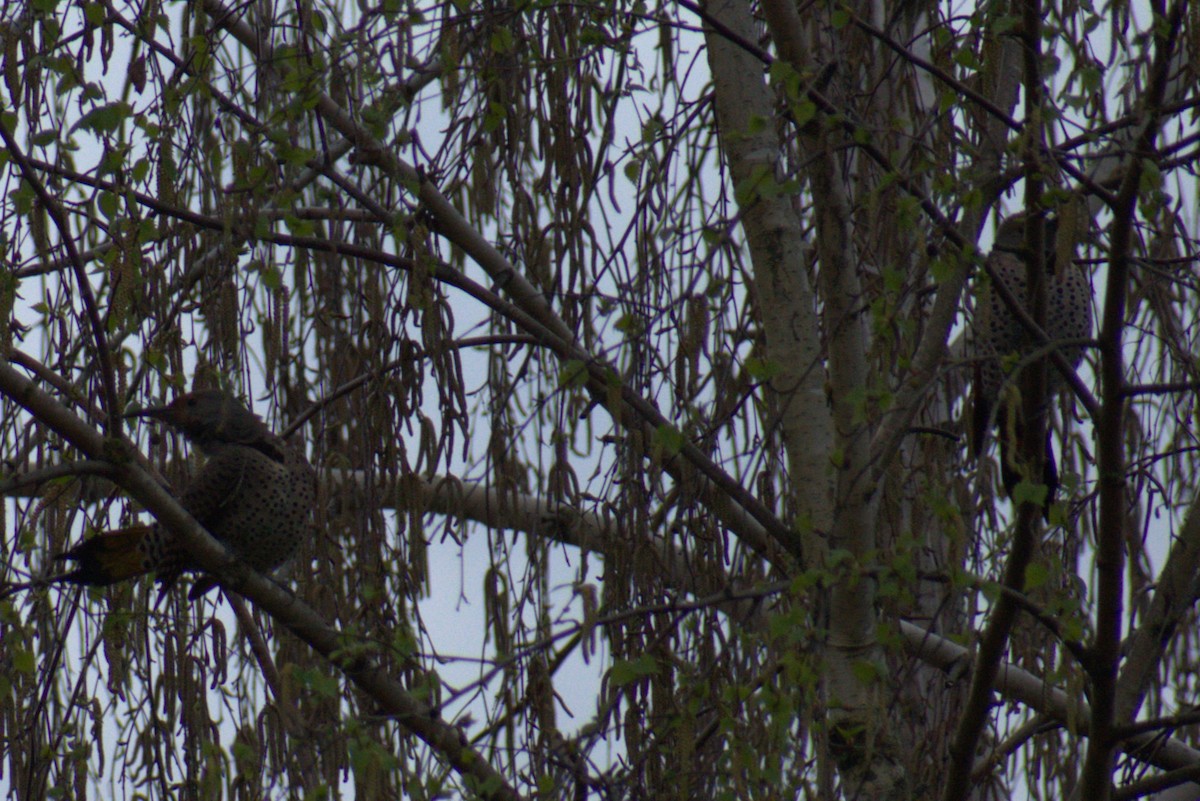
{"x": 631, "y": 343}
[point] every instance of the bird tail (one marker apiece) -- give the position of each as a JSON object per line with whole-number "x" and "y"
{"x": 111, "y": 556}
{"x": 1010, "y": 475}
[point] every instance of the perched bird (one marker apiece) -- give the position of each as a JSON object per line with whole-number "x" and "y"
{"x": 254, "y": 493}
{"x": 1001, "y": 339}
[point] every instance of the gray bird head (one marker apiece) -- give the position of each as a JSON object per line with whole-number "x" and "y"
{"x": 210, "y": 418}
{"x": 1010, "y": 237}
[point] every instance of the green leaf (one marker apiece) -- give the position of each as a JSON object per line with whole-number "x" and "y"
{"x": 495, "y": 116}
{"x": 572, "y": 374}
{"x": 141, "y": 169}
{"x": 321, "y": 684}
{"x": 758, "y": 123}
{"x": 94, "y": 13}
{"x": 669, "y": 438}
{"x": 625, "y": 671}
{"x": 1005, "y": 24}
{"x": 803, "y": 111}
{"x": 866, "y": 671}
{"x": 295, "y": 155}
{"x": 1072, "y": 628}
{"x": 262, "y": 228}
{"x": 104, "y": 119}
{"x": 155, "y": 358}
{"x": 502, "y": 40}
{"x": 1028, "y": 492}
{"x": 990, "y": 591}
{"x": 147, "y": 231}
{"x": 1036, "y": 575}
{"x": 837, "y": 457}
{"x": 965, "y": 57}
{"x": 1151, "y": 178}
{"x": 270, "y": 277}
{"x": 298, "y": 226}
{"x": 23, "y": 660}
{"x": 110, "y": 204}
{"x": 762, "y": 369}
{"x": 630, "y": 325}
{"x": 114, "y": 161}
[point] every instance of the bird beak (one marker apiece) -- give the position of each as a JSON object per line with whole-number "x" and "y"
{"x": 159, "y": 412}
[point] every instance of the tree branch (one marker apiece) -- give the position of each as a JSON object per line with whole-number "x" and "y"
{"x": 283, "y": 606}
{"x": 1096, "y": 779}
{"x": 82, "y": 284}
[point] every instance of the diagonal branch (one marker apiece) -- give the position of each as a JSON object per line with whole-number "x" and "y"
{"x": 87, "y": 297}
{"x": 994, "y": 640}
{"x": 1096, "y": 779}
{"x": 285, "y": 608}
{"x": 737, "y": 507}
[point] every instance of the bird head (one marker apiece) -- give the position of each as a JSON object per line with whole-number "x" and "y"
{"x": 210, "y": 418}
{"x": 1010, "y": 237}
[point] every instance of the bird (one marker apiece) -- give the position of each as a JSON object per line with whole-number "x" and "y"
{"x": 255, "y": 494}
{"x": 1000, "y": 337}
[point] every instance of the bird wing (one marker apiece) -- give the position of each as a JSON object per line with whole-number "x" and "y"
{"x": 997, "y": 333}
{"x": 214, "y": 491}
